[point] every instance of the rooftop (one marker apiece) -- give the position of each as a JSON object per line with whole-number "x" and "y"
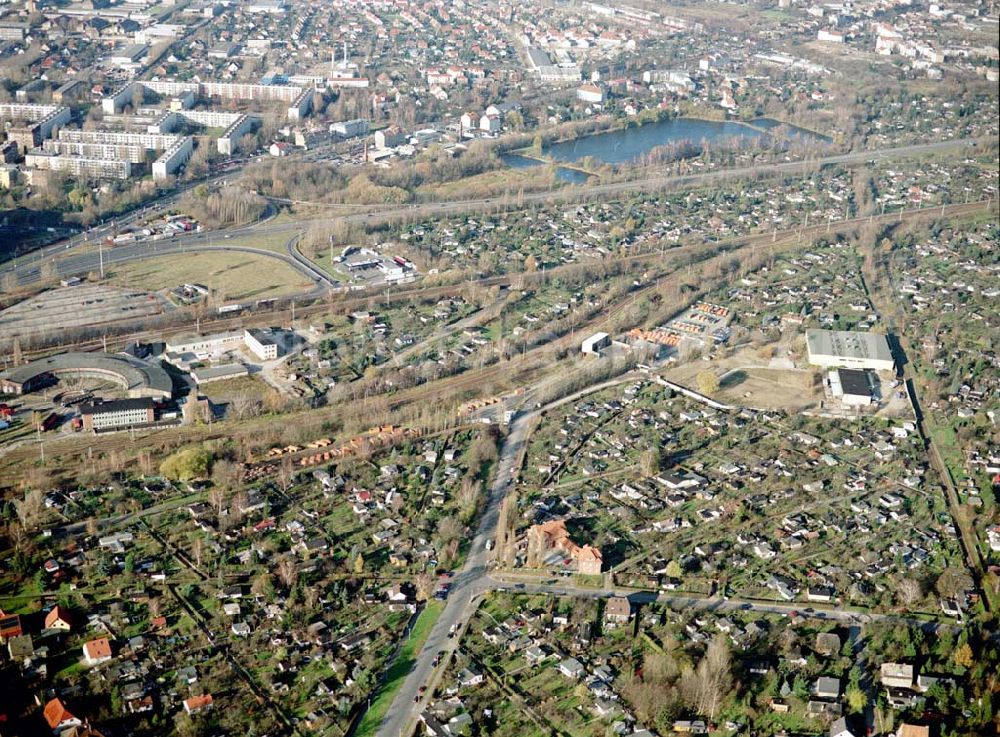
{"x": 116, "y": 405}
{"x": 135, "y": 376}
{"x": 853, "y": 381}
{"x": 847, "y": 344}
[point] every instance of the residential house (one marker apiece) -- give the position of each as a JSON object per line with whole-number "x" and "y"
{"x": 824, "y": 709}
{"x": 897, "y": 675}
{"x": 58, "y": 618}
{"x": 469, "y": 121}
{"x": 553, "y": 536}
{"x": 58, "y": 717}
{"x": 824, "y": 594}
{"x": 839, "y": 728}
{"x": 10, "y": 626}
{"x": 618, "y": 610}
{"x": 827, "y": 643}
{"x": 197, "y": 704}
{"x": 688, "y": 726}
{"x": 97, "y": 651}
{"x": 20, "y": 647}
{"x": 240, "y": 629}
{"x": 535, "y": 654}
{"x": 490, "y": 123}
{"x": 571, "y": 668}
{"x": 468, "y": 677}
{"x": 827, "y": 688}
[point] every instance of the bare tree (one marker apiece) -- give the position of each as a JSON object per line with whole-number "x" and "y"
{"x": 285, "y": 473}
{"x": 217, "y": 498}
{"x": 244, "y": 406}
{"x": 710, "y": 683}
{"x": 146, "y": 462}
{"x": 197, "y": 549}
{"x": 909, "y": 591}
{"x": 424, "y": 584}
{"x": 227, "y": 474}
{"x": 17, "y": 536}
{"x": 31, "y": 508}
{"x": 263, "y": 586}
{"x": 506, "y": 528}
{"x": 469, "y": 496}
{"x": 953, "y": 582}
{"x": 650, "y": 462}
{"x": 288, "y": 572}
{"x": 240, "y": 502}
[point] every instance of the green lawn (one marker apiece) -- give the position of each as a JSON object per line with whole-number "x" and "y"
{"x": 399, "y": 669}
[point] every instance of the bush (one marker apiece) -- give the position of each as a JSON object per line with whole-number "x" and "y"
{"x": 187, "y": 463}
{"x": 708, "y": 383}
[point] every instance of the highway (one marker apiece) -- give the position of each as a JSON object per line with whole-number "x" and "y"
{"x": 28, "y": 268}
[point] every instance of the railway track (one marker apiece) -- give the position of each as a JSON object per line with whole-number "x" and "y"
{"x": 774, "y": 242}
{"x": 344, "y": 304}
{"x": 518, "y": 369}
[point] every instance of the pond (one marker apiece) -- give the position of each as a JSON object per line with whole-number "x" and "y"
{"x": 627, "y": 144}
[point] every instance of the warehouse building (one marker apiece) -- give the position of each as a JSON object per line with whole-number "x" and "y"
{"x": 390, "y": 137}
{"x": 208, "y": 374}
{"x": 844, "y": 349}
{"x": 185, "y": 350}
{"x": 595, "y": 344}
{"x": 204, "y": 346}
{"x": 852, "y": 387}
{"x": 350, "y": 128}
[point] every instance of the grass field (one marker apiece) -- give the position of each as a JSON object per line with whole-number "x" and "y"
{"x": 230, "y": 276}
{"x": 398, "y": 670}
{"x": 769, "y": 388}
{"x": 747, "y": 380}
{"x": 490, "y": 183}
{"x": 226, "y": 390}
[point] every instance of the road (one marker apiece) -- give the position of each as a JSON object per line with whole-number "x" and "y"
{"x": 27, "y": 268}
{"x": 467, "y": 584}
